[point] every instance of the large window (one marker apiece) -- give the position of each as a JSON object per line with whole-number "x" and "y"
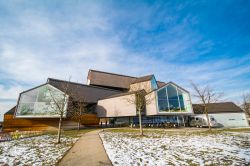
{"x": 163, "y": 100}
{"x": 172, "y": 99}
{"x": 39, "y": 102}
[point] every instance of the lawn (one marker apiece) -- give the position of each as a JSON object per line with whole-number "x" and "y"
{"x": 177, "y": 147}
{"x": 39, "y": 150}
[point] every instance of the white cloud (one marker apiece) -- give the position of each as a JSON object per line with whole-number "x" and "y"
{"x": 10, "y": 93}
{"x": 4, "y": 107}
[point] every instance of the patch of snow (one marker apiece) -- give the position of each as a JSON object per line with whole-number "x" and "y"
{"x": 40, "y": 150}
{"x": 175, "y": 149}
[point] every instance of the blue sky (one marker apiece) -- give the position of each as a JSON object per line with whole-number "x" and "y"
{"x": 204, "y": 41}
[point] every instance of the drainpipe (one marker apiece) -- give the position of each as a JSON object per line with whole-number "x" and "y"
{"x": 183, "y": 121}
{"x": 178, "y": 120}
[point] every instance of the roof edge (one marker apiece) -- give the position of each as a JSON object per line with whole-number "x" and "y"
{"x": 111, "y": 73}
{"x": 117, "y": 95}
{"x": 137, "y": 80}
{"x": 170, "y": 82}
{"x": 92, "y": 86}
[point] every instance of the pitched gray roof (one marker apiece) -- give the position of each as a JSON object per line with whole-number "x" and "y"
{"x": 116, "y": 81}
{"x": 118, "y": 95}
{"x": 105, "y": 79}
{"x": 123, "y": 94}
{"x": 88, "y": 93}
{"x": 223, "y": 107}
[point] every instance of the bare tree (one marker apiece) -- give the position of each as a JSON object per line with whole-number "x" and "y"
{"x": 60, "y": 102}
{"x": 140, "y": 100}
{"x": 206, "y": 96}
{"x": 246, "y": 104}
{"x": 80, "y": 107}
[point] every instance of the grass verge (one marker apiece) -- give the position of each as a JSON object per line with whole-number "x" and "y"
{"x": 70, "y": 133}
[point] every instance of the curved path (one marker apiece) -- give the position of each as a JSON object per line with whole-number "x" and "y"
{"x": 88, "y": 150}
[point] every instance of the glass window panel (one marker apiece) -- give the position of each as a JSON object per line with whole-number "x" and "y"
{"x": 44, "y": 94}
{"x": 187, "y": 102}
{"x": 38, "y": 102}
{"x": 25, "y": 109}
{"x": 162, "y": 100}
{"x": 173, "y": 98}
{"x": 163, "y": 105}
{"x": 162, "y": 94}
{"x": 182, "y": 105}
{"x": 154, "y": 83}
{"x": 29, "y": 97}
{"x": 181, "y": 102}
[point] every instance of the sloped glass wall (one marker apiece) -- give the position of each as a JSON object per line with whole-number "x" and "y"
{"x": 154, "y": 84}
{"x": 173, "y": 99}
{"x": 42, "y": 102}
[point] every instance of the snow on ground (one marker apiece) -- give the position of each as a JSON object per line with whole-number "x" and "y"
{"x": 177, "y": 149}
{"x": 40, "y": 150}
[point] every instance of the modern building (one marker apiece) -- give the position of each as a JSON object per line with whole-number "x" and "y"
{"x": 108, "y": 99}
{"x": 37, "y": 109}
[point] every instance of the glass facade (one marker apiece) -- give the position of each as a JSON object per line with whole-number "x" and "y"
{"x": 156, "y": 121}
{"x": 154, "y": 83}
{"x": 39, "y": 102}
{"x": 173, "y": 99}
{"x": 159, "y": 119}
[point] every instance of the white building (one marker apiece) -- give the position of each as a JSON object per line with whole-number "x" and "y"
{"x": 226, "y": 114}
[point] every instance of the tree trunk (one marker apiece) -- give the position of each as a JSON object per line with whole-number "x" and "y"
{"x": 140, "y": 123}
{"x": 59, "y": 130}
{"x": 208, "y": 120}
{"x": 79, "y": 118}
{"x": 79, "y": 124}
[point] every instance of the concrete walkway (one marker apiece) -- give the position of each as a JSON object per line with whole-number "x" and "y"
{"x": 88, "y": 150}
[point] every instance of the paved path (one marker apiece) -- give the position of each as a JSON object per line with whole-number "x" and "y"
{"x": 87, "y": 151}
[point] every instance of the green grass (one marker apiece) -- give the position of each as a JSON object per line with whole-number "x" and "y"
{"x": 70, "y": 133}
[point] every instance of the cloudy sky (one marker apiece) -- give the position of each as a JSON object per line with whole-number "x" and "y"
{"x": 204, "y": 41}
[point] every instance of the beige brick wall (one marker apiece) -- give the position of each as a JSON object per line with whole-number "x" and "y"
{"x": 115, "y": 107}
{"x": 151, "y": 108}
{"x": 141, "y": 85}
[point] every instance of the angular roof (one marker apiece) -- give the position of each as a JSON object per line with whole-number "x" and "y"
{"x": 142, "y": 79}
{"x": 118, "y": 95}
{"x": 88, "y": 93}
{"x": 123, "y": 94}
{"x": 224, "y": 107}
{"x": 160, "y": 84}
{"x": 11, "y": 111}
{"x": 116, "y": 81}
{"x": 112, "y": 80}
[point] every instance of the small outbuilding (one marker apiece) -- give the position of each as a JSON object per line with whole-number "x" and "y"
{"x": 227, "y": 114}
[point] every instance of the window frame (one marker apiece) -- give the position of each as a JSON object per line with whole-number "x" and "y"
{"x": 186, "y": 100}
{"x": 40, "y": 116}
